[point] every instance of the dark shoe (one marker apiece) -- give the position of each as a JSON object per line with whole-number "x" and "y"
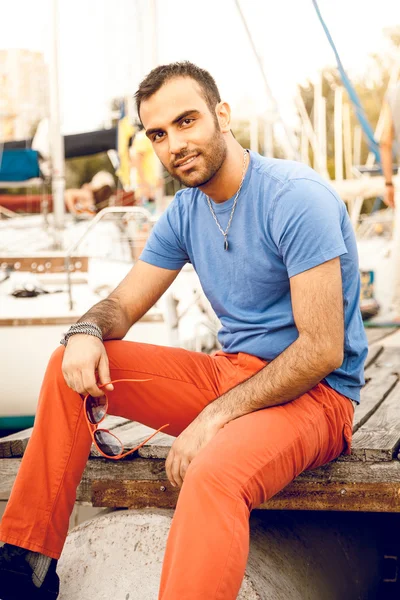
{"x": 16, "y": 577}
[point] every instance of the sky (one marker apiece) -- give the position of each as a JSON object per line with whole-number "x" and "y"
{"x": 107, "y": 46}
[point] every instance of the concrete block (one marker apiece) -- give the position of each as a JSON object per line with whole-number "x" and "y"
{"x": 293, "y": 556}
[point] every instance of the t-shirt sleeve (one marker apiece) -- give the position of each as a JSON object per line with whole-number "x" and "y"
{"x": 306, "y": 225}
{"x": 164, "y": 248}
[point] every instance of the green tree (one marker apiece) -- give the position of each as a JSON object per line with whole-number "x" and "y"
{"x": 82, "y": 170}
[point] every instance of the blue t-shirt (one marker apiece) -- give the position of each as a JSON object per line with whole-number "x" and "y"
{"x": 287, "y": 220}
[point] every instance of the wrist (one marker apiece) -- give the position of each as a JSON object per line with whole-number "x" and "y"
{"x": 80, "y": 337}
{"x": 213, "y": 416}
{"x": 85, "y": 328}
{"x": 220, "y": 412}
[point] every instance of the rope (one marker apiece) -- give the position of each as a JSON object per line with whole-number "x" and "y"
{"x": 366, "y": 127}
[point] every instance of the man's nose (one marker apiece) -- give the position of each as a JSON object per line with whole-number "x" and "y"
{"x": 176, "y": 144}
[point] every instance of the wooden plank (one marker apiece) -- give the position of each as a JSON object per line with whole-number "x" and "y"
{"x": 8, "y": 471}
{"x": 134, "y": 494}
{"x": 381, "y": 375}
{"x": 95, "y": 470}
{"x": 379, "y": 437}
{"x": 377, "y": 490}
{"x": 14, "y": 445}
{"x": 388, "y": 358}
{"x": 335, "y": 486}
{"x": 152, "y": 317}
{"x": 375, "y": 334}
{"x": 373, "y": 394}
{"x": 44, "y": 263}
{"x": 159, "y": 448}
{"x": 33, "y": 321}
{"x": 382, "y": 497}
{"x": 131, "y": 434}
{"x": 112, "y": 422}
{"x": 373, "y": 352}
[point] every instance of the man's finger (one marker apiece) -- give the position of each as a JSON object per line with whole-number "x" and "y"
{"x": 69, "y": 381}
{"x": 78, "y": 383}
{"x": 183, "y": 468}
{"x": 168, "y": 463}
{"x": 104, "y": 372}
{"x": 89, "y": 383}
{"x": 175, "y": 471}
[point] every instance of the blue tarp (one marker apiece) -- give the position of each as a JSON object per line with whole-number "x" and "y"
{"x": 19, "y": 165}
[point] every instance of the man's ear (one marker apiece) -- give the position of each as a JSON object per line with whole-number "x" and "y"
{"x": 223, "y": 113}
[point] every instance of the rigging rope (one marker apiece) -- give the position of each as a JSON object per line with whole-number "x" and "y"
{"x": 361, "y": 116}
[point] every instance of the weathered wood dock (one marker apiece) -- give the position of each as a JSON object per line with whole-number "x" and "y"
{"x": 368, "y": 480}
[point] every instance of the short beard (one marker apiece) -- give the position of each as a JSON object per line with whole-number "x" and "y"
{"x": 214, "y": 156}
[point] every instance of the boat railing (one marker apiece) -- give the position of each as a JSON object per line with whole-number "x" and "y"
{"x": 132, "y": 210}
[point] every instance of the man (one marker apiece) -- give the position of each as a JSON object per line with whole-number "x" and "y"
{"x": 390, "y": 140}
{"x": 276, "y": 255}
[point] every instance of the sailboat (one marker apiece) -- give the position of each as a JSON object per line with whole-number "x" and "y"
{"x": 53, "y": 269}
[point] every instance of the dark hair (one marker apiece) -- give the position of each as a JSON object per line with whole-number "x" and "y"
{"x": 160, "y": 75}
{"x": 102, "y": 195}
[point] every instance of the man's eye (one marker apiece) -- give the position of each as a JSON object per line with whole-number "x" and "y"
{"x": 157, "y": 136}
{"x": 187, "y": 121}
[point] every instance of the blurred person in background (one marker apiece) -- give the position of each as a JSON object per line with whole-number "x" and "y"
{"x": 146, "y": 167}
{"x": 91, "y": 197}
{"x": 389, "y": 146}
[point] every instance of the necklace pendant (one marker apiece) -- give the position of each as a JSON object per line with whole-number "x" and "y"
{"x": 226, "y": 245}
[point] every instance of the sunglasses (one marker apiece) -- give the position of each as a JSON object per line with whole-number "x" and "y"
{"x": 106, "y": 442}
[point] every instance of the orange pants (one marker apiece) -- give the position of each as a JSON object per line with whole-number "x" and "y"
{"x": 245, "y": 464}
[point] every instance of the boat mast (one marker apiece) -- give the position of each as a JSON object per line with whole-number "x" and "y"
{"x": 153, "y": 33}
{"x": 56, "y": 139}
{"x": 291, "y": 149}
{"x": 154, "y": 57}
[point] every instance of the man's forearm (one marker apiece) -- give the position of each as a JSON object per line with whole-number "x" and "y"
{"x": 298, "y": 369}
{"x": 387, "y": 161}
{"x": 111, "y": 319}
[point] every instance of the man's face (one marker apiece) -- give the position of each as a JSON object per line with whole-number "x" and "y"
{"x": 185, "y": 135}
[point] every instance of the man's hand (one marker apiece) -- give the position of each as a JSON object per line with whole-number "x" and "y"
{"x": 187, "y": 445}
{"x": 389, "y": 196}
{"x": 84, "y": 355}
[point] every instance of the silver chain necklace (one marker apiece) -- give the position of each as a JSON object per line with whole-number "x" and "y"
{"x": 225, "y": 233}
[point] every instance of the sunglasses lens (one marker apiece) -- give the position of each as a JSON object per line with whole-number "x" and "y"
{"x": 107, "y": 442}
{"x": 96, "y": 408}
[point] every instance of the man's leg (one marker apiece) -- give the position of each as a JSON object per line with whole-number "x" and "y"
{"x": 182, "y": 384}
{"x": 246, "y": 463}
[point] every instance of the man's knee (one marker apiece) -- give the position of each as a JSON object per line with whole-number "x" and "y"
{"x": 56, "y": 358}
{"x": 123, "y": 353}
{"x": 208, "y": 475}
{"x": 54, "y": 366}
{"x": 216, "y": 477}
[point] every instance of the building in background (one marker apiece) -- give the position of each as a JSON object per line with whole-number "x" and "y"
{"x": 24, "y": 93}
